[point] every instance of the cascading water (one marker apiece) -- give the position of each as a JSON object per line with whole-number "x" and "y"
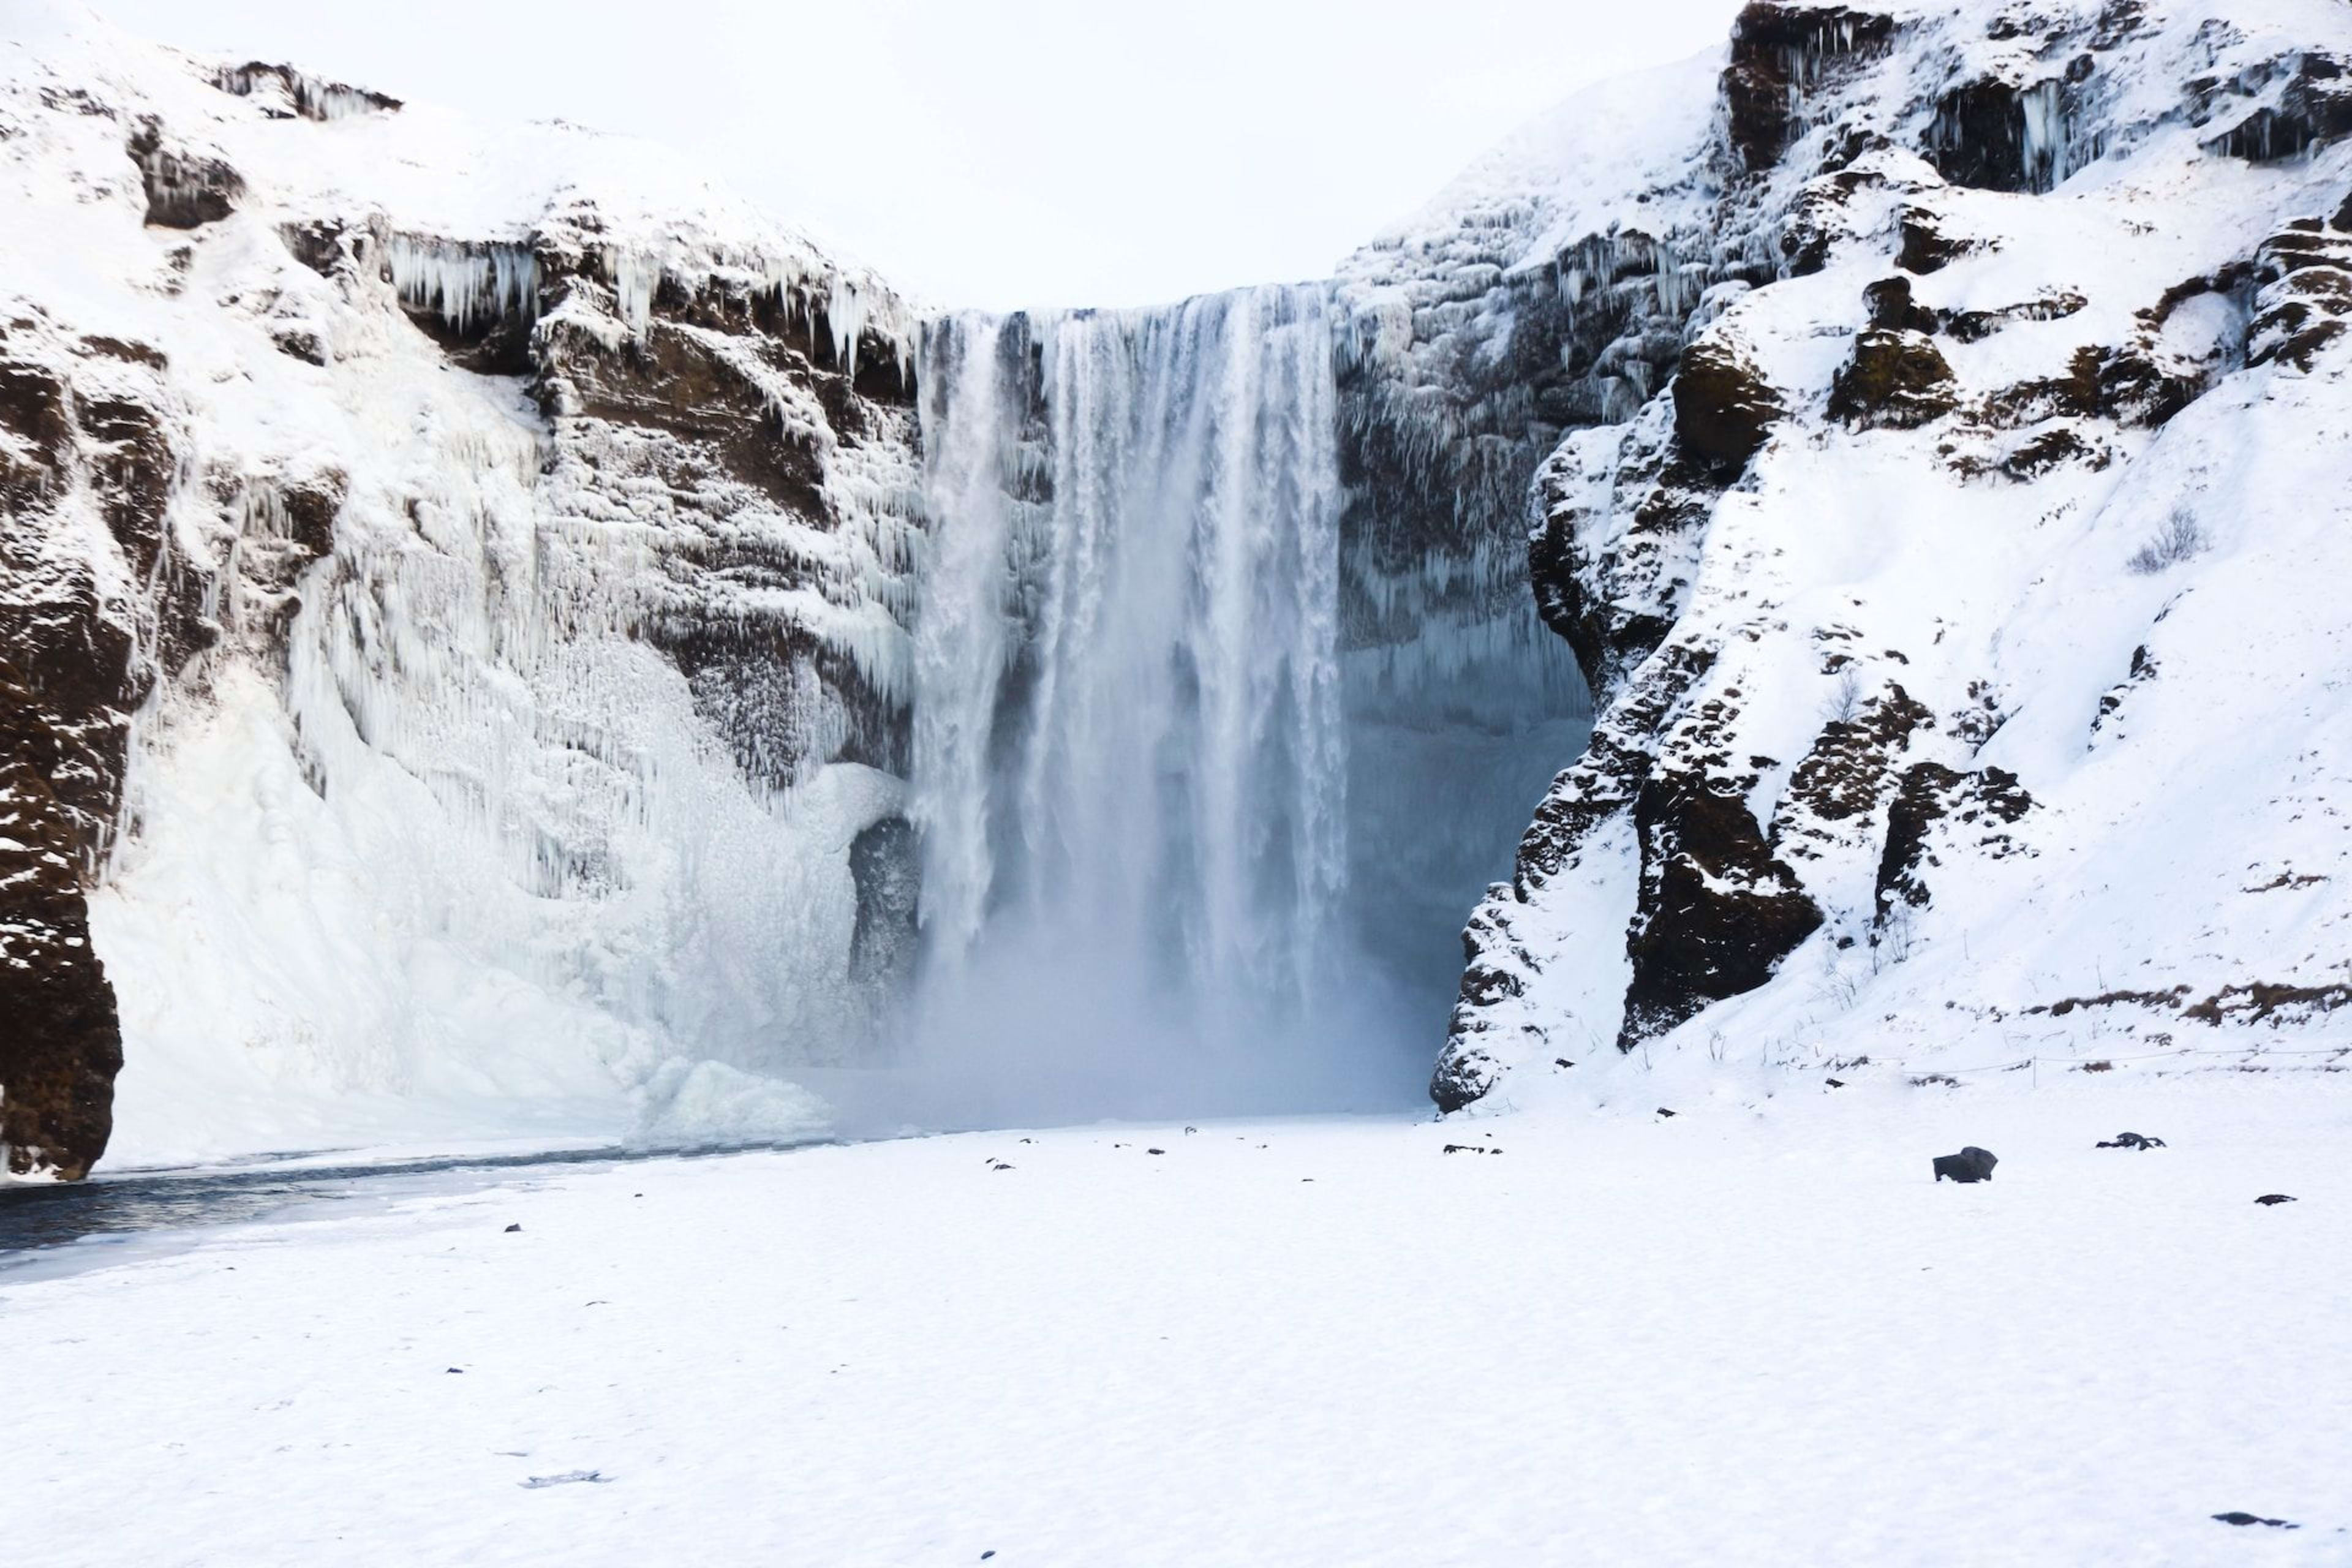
{"x": 1132, "y": 727}
{"x": 1128, "y": 764}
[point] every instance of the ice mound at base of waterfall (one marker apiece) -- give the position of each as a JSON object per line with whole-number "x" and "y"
{"x": 424, "y": 837}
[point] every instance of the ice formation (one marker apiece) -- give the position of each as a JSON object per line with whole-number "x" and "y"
{"x": 467, "y": 284}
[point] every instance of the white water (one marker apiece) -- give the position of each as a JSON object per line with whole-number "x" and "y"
{"x": 1130, "y": 766}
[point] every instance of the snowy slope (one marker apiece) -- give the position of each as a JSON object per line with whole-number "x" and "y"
{"x": 485, "y": 477}
{"x": 1962, "y": 613}
{"x": 1723, "y": 1338}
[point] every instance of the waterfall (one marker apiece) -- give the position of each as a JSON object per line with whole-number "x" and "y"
{"x": 1130, "y": 766}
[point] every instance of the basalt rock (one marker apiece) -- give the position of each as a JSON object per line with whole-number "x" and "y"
{"x": 1777, "y": 53}
{"x": 285, "y": 93}
{"x": 2313, "y": 110}
{"x": 186, "y": 189}
{"x": 63, "y": 1043}
{"x": 1939, "y": 806}
{"x": 1836, "y": 793}
{"x": 1928, "y": 245}
{"x": 1970, "y": 1164}
{"x": 2305, "y": 298}
{"x": 1994, "y": 135}
{"x": 885, "y": 864}
{"x": 1892, "y": 308}
{"x": 1724, "y": 408}
{"x": 735, "y": 406}
{"x": 1718, "y": 910}
{"x": 1896, "y": 380}
{"x": 71, "y": 671}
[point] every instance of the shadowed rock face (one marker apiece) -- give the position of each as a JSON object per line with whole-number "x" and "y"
{"x": 1718, "y": 909}
{"x": 62, "y": 1045}
{"x": 186, "y": 189}
{"x": 70, "y": 677}
{"x": 1776, "y": 52}
{"x": 1896, "y": 380}
{"x": 1724, "y": 409}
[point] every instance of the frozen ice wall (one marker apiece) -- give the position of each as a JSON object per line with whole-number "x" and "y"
{"x": 1153, "y": 881}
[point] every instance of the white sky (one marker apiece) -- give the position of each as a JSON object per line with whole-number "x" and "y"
{"x": 1001, "y": 152}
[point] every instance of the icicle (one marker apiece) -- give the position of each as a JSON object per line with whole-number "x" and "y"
{"x": 2044, "y": 138}
{"x": 636, "y": 277}
{"x": 465, "y": 283}
{"x": 844, "y": 311}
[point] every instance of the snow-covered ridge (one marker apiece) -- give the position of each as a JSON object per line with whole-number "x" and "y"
{"x": 1992, "y": 367}
{"x": 487, "y": 560}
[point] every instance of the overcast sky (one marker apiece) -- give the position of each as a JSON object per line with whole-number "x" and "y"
{"x": 1000, "y": 152}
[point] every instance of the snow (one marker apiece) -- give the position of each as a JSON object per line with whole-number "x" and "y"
{"x": 1755, "y": 1332}
{"x": 2188, "y": 838}
{"x": 456, "y": 855}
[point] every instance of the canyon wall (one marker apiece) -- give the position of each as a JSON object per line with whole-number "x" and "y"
{"x": 456, "y": 606}
{"x": 1963, "y": 376}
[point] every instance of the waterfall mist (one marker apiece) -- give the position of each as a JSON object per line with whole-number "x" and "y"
{"x": 1145, "y": 889}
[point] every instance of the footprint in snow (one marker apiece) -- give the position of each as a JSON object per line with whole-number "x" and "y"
{"x": 566, "y": 1478}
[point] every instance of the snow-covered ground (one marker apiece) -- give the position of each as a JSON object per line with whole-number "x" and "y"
{"x": 1731, "y": 1336}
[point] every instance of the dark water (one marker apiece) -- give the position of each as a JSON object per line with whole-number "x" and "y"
{"x": 36, "y": 1218}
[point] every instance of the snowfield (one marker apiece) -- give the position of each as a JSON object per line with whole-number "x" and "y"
{"x": 1731, "y": 1336}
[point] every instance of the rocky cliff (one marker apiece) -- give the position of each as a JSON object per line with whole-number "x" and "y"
{"x": 1940, "y": 510}
{"x": 456, "y": 592}
{"x": 453, "y": 593}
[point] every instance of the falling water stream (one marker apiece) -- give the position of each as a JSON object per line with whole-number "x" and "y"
{"x": 1131, "y": 770}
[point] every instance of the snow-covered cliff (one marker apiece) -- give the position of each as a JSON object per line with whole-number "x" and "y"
{"x": 454, "y": 601}
{"x": 459, "y": 654}
{"x": 1946, "y": 508}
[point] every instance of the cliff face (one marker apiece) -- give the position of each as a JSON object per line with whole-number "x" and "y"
{"x": 454, "y": 608}
{"x": 1970, "y": 381}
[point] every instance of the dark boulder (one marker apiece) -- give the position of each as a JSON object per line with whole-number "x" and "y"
{"x": 1893, "y": 309}
{"x": 1724, "y": 408}
{"x": 1928, "y": 247}
{"x": 2240, "y": 1518}
{"x": 1970, "y": 1164}
{"x": 1896, "y": 380}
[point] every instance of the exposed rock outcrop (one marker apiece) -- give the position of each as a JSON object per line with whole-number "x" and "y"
{"x": 1896, "y": 380}
{"x": 1766, "y": 524}
{"x": 504, "y": 629}
{"x": 84, "y": 626}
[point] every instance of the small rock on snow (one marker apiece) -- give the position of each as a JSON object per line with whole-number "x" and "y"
{"x": 2238, "y": 1516}
{"x": 2268, "y": 1199}
{"x": 566, "y": 1478}
{"x": 1970, "y": 1164}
